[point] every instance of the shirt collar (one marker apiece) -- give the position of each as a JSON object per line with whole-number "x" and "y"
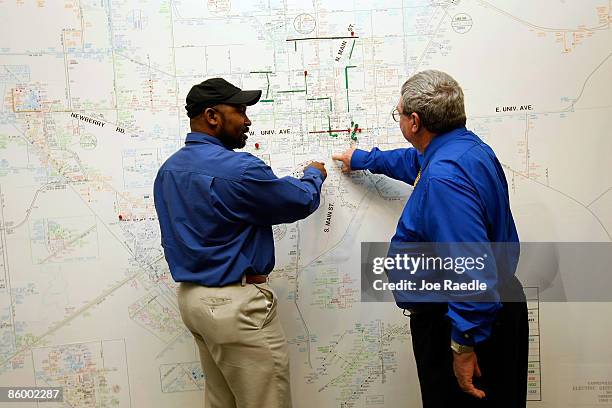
{"x": 198, "y": 137}
{"x": 437, "y": 142}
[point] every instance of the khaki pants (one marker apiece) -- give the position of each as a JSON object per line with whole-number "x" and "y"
{"x": 242, "y": 345}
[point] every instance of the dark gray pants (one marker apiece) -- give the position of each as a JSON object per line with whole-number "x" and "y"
{"x": 502, "y": 358}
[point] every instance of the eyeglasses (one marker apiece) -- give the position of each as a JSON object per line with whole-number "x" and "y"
{"x": 396, "y": 115}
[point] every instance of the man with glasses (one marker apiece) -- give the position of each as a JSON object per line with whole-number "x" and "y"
{"x": 216, "y": 208}
{"x": 468, "y": 354}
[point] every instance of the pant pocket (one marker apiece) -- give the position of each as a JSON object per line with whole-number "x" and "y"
{"x": 271, "y": 302}
{"x": 215, "y": 300}
{"x": 254, "y": 309}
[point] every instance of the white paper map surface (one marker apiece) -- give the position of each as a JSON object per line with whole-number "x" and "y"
{"x": 93, "y": 102}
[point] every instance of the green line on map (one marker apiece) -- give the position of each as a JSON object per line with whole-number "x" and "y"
{"x": 352, "y": 46}
{"x": 348, "y": 105}
{"x": 329, "y": 127}
{"x": 267, "y": 79}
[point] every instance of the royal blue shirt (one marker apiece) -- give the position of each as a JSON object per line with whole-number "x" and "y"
{"x": 216, "y": 208}
{"x": 462, "y": 196}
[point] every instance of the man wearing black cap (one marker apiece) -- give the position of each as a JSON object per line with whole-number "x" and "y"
{"x": 216, "y": 208}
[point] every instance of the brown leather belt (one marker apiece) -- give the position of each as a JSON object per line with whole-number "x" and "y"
{"x": 256, "y": 278}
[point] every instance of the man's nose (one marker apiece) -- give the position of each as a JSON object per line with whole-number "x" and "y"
{"x": 247, "y": 121}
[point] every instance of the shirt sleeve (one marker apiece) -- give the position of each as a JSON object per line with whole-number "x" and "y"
{"x": 261, "y": 198}
{"x": 399, "y": 164}
{"x": 454, "y": 214}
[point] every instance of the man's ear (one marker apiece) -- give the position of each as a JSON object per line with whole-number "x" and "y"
{"x": 416, "y": 122}
{"x": 210, "y": 116}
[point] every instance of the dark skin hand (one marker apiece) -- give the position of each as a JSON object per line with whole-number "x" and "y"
{"x": 319, "y": 166}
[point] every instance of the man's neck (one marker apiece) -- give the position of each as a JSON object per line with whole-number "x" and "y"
{"x": 423, "y": 140}
{"x": 204, "y": 129}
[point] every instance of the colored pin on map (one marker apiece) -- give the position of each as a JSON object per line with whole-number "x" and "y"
{"x": 120, "y": 217}
{"x": 257, "y": 145}
{"x": 355, "y": 130}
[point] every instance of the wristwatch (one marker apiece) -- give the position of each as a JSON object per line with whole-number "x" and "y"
{"x": 460, "y": 348}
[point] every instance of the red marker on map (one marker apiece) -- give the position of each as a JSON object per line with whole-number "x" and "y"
{"x": 257, "y": 145}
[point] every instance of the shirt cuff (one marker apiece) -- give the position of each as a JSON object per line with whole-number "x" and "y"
{"x": 313, "y": 171}
{"x": 463, "y": 338}
{"x": 359, "y": 159}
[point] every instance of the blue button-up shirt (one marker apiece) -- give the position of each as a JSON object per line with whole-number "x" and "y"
{"x": 462, "y": 196}
{"x": 216, "y": 208}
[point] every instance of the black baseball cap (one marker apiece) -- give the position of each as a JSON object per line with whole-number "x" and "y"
{"x": 215, "y": 91}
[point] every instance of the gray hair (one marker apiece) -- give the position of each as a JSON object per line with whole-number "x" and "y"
{"x": 437, "y": 98}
